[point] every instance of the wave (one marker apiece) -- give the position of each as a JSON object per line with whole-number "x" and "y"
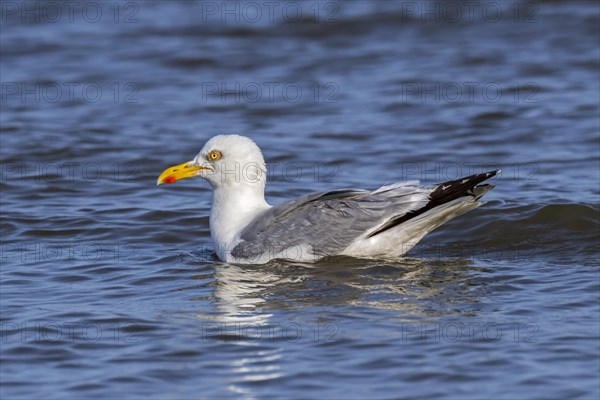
{"x": 535, "y": 229}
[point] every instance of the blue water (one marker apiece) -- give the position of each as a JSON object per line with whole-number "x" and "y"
{"x": 109, "y": 287}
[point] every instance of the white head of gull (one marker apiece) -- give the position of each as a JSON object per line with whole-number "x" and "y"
{"x": 384, "y": 223}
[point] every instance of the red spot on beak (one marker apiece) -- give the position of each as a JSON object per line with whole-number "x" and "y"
{"x": 169, "y": 179}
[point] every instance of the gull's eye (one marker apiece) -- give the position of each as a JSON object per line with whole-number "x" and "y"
{"x": 214, "y": 155}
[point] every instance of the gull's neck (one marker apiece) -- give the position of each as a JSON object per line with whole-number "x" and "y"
{"x": 233, "y": 208}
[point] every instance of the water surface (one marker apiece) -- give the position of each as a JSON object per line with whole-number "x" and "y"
{"x": 110, "y": 287}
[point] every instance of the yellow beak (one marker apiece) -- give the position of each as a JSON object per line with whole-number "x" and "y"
{"x": 178, "y": 172}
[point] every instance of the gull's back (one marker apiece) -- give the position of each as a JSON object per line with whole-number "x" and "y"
{"x": 384, "y": 223}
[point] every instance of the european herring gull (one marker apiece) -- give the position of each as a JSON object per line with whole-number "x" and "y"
{"x": 384, "y": 223}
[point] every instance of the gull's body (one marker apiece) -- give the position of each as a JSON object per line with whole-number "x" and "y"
{"x": 384, "y": 223}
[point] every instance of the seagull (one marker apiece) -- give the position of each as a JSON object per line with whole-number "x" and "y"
{"x": 381, "y": 224}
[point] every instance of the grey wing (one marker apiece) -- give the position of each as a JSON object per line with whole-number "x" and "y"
{"x": 326, "y": 223}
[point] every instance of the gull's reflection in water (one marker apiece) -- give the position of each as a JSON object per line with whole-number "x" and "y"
{"x": 242, "y": 319}
{"x": 252, "y": 301}
{"x": 240, "y": 294}
{"x": 413, "y": 287}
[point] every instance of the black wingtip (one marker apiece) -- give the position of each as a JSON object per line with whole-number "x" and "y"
{"x": 444, "y": 193}
{"x": 451, "y": 190}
